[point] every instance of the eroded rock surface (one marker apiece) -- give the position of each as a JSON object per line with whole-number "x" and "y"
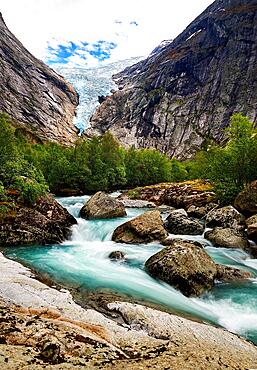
{"x": 186, "y": 91}
{"x": 41, "y": 327}
{"x": 33, "y": 94}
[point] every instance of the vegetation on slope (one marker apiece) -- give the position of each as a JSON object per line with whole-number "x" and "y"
{"x": 29, "y": 170}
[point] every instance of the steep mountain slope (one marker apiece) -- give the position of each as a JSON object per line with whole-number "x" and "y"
{"x": 185, "y": 92}
{"x": 33, "y": 94}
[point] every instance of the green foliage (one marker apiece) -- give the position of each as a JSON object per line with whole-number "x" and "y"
{"x": 230, "y": 168}
{"x": 146, "y": 166}
{"x": 100, "y": 163}
{"x": 8, "y": 148}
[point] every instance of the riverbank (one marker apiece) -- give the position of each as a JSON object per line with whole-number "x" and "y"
{"x": 41, "y": 326}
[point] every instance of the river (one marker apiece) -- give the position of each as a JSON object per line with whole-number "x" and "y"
{"x": 83, "y": 263}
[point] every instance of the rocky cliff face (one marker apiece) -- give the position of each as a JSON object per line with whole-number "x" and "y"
{"x": 33, "y": 94}
{"x": 185, "y": 92}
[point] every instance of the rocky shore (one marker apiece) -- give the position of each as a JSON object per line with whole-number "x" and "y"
{"x": 42, "y": 327}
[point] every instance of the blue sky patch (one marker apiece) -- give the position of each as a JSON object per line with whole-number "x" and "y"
{"x": 101, "y": 50}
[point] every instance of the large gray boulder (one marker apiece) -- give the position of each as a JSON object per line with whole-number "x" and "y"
{"x": 142, "y": 229}
{"x": 178, "y": 223}
{"x": 225, "y": 217}
{"x": 185, "y": 266}
{"x": 227, "y": 238}
{"x": 101, "y": 205}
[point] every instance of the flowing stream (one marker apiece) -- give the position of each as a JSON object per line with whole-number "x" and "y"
{"x": 83, "y": 263}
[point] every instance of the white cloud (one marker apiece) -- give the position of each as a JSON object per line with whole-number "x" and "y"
{"x": 38, "y": 23}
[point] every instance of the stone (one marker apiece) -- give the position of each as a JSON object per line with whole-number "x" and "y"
{"x": 134, "y": 203}
{"x": 175, "y": 194}
{"x": 37, "y": 98}
{"x": 230, "y": 274}
{"x": 185, "y": 266}
{"x": 116, "y": 256}
{"x": 101, "y": 206}
{"x": 227, "y": 238}
{"x": 183, "y": 95}
{"x": 252, "y": 228}
{"x": 46, "y": 222}
{"x": 226, "y": 217}
{"x": 201, "y": 212}
{"x": 142, "y": 229}
{"x": 178, "y": 223}
{"x": 246, "y": 201}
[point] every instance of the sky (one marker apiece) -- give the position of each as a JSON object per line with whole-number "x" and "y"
{"x": 86, "y": 33}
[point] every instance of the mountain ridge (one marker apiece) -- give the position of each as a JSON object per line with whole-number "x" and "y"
{"x": 34, "y": 95}
{"x": 184, "y": 95}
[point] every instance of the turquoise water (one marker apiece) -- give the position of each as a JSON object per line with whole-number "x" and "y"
{"x": 83, "y": 263}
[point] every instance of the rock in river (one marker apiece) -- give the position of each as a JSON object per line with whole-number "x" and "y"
{"x": 178, "y": 223}
{"x": 142, "y": 229}
{"x": 185, "y": 266}
{"x": 101, "y": 205}
{"x": 227, "y": 238}
{"x": 225, "y": 217}
{"x": 229, "y": 274}
{"x": 46, "y": 222}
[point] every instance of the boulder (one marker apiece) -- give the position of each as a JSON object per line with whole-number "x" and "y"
{"x": 133, "y": 203}
{"x": 227, "y": 238}
{"x": 252, "y": 228}
{"x": 179, "y": 223}
{"x": 116, "y": 256}
{"x": 225, "y": 217}
{"x": 229, "y": 274}
{"x": 101, "y": 205}
{"x": 201, "y": 212}
{"x": 47, "y": 222}
{"x": 175, "y": 194}
{"x": 185, "y": 266}
{"x": 246, "y": 201}
{"x": 142, "y": 229}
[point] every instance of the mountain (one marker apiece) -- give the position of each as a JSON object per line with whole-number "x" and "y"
{"x": 33, "y": 94}
{"x": 90, "y": 83}
{"x": 184, "y": 93}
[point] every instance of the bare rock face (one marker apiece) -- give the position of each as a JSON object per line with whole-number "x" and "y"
{"x": 246, "y": 201}
{"x": 33, "y": 94}
{"x": 142, "y": 229}
{"x": 101, "y": 205}
{"x": 227, "y": 238}
{"x": 186, "y": 91}
{"x": 185, "y": 266}
{"x": 46, "y": 222}
{"x": 252, "y": 227}
{"x": 226, "y": 217}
